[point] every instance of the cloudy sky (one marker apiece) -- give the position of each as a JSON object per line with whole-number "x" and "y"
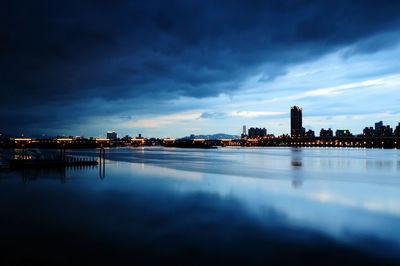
{"x": 172, "y": 68}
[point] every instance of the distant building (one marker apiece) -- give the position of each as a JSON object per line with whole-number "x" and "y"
{"x": 343, "y": 133}
{"x": 244, "y": 134}
{"x": 139, "y": 136}
{"x": 378, "y": 128}
{"x": 296, "y": 121}
{"x": 127, "y": 137}
{"x": 310, "y": 134}
{"x": 112, "y": 135}
{"x": 378, "y": 125}
{"x": 252, "y": 132}
{"x": 263, "y": 132}
{"x": 386, "y": 131}
{"x": 368, "y": 132}
{"x": 382, "y": 130}
{"x": 257, "y": 132}
{"x": 192, "y": 136}
{"x": 397, "y": 131}
{"x": 326, "y": 133}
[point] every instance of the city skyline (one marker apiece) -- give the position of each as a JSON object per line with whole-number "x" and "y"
{"x": 296, "y": 125}
{"x": 84, "y": 69}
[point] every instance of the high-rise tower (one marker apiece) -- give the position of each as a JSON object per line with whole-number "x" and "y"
{"x": 296, "y": 121}
{"x": 244, "y": 134}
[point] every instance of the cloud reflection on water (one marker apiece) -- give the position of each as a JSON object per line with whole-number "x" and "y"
{"x": 179, "y": 204}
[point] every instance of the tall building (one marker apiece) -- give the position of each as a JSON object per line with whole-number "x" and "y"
{"x": 378, "y": 126}
{"x": 244, "y": 134}
{"x": 112, "y": 135}
{"x": 296, "y": 121}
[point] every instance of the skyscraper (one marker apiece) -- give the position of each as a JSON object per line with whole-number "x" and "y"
{"x": 296, "y": 121}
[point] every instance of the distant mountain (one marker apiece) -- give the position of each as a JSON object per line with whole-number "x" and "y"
{"x": 214, "y": 136}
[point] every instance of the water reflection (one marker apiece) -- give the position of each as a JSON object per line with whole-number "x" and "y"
{"x": 33, "y": 174}
{"x": 143, "y": 221}
{"x": 64, "y": 174}
{"x": 296, "y": 162}
{"x": 102, "y": 169}
{"x": 208, "y": 207}
{"x": 102, "y": 163}
{"x": 296, "y": 158}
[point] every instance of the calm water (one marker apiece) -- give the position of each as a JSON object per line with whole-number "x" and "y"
{"x": 188, "y": 206}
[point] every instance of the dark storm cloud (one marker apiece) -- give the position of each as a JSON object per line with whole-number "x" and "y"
{"x": 58, "y": 56}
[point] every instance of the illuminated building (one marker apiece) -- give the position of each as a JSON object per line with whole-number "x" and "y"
{"x": 112, "y": 135}
{"x": 383, "y": 131}
{"x": 257, "y": 132}
{"x": 343, "y": 133}
{"x": 368, "y": 132}
{"x": 296, "y": 121}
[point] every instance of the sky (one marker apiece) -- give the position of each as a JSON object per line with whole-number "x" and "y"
{"x": 174, "y": 68}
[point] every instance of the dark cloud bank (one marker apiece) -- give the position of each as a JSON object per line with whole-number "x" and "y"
{"x": 65, "y": 62}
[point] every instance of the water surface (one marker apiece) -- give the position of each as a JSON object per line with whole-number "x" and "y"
{"x": 230, "y": 205}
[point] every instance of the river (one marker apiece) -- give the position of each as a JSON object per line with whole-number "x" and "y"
{"x": 154, "y": 205}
